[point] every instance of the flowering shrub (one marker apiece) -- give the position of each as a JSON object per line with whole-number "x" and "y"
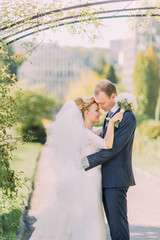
{"x": 8, "y": 143}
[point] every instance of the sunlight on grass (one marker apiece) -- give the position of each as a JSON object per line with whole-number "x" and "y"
{"x": 25, "y": 158}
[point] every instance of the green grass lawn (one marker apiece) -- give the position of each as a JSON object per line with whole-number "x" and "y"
{"x": 146, "y": 155}
{"x": 25, "y": 161}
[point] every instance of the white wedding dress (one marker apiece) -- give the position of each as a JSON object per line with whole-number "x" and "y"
{"x": 74, "y": 212}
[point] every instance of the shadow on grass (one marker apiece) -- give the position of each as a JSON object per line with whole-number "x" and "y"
{"x": 142, "y": 233}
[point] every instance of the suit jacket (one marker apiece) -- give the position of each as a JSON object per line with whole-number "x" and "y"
{"x": 117, "y": 162}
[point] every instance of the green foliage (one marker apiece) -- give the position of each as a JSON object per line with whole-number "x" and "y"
{"x": 11, "y": 210}
{"x": 146, "y": 82}
{"x": 11, "y": 62}
{"x": 153, "y": 80}
{"x": 120, "y": 88}
{"x": 34, "y": 105}
{"x": 10, "y": 223}
{"x": 34, "y": 16}
{"x": 106, "y": 70}
{"x": 157, "y": 112}
{"x": 109, "y": 73}
{"x": 84, "y": 86}
{"x": 101, "y": 64}
{"x": 24, "y": 161}
{"x": 140, "y": 117}
{"x": 34, "y": 132}
{"x": 93, "y": 58}
{"x": 150, "y": 128}
{"x": 8, "y": 117}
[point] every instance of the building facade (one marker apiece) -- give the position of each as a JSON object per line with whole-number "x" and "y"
{"x": 150, "y": 36}
{"x": 51, "y": 67}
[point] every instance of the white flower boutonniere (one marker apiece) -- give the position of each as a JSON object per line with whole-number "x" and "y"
{"x": 107, "y": 119}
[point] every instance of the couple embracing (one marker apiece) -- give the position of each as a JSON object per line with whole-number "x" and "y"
{"x": 91, "y": 166}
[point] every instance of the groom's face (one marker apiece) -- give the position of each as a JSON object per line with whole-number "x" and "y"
{"x": 104, "y": 101}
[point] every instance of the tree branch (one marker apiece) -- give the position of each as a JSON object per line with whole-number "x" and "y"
{"x": 76, "y": 16}
{"x": 77, "y": 21}
{"x": 62, "y": 9}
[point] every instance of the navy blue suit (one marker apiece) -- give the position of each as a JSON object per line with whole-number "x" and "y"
{"x": 117, "y": 175}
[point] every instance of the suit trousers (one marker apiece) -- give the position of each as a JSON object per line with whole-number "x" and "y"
{"x": 115, "y": 206}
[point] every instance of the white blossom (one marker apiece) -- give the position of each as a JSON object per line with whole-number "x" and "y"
{"x": 126, "y": 101}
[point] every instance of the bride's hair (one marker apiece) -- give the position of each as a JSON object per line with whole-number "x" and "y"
{"x": 84, "y": 103}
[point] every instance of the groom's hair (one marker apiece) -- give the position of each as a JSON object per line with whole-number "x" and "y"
{"x": 105, "y": 86}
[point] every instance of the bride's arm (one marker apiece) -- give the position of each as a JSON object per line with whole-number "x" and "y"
{"x": 109, "y": 136}
{"x": 107, "y": 141}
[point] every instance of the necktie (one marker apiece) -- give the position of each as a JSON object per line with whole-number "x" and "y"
{"x": 109, "y": 114}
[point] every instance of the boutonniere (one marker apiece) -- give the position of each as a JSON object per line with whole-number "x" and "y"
{"x": 107, "y": 119}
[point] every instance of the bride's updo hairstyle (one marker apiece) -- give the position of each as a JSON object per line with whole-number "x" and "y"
{"x": 84, "y": 103}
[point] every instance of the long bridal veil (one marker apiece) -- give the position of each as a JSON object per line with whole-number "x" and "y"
{"x": 68, "y": 202}
{"x": 67, "y": 139}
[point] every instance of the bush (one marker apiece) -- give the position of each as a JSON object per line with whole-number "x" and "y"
{"x": 146, "y": 81}
{"x": 141, "y": 117}
{"x": 33, "y": 132}
{"x": 150, "y": 128}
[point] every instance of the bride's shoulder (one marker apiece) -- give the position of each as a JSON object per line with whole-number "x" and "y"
{"x": 90, "y": 134}
{"x": 97, "y": 130}
{"x": 87, "y": 131}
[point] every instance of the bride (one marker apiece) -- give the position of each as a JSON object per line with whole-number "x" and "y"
{"x": 74, "y": 211}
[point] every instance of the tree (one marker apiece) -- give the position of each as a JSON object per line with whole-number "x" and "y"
{"x": 33, "y": 106}
{"x": 11, "y": 62}
{"x": 153, "y": 80}
{"x": 8, "y": 178}
{"x": 109, "y": 73}
{"x": 84, "y": 86}
{"x": 146, "y": 81}
{"x": 101, "y": 65}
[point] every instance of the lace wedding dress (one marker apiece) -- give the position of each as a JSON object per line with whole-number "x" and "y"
{"x": 74, "y": 211}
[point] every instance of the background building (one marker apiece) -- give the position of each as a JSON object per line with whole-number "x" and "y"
{"x": 130, "y": 48}
{"x": 52, "y": 67}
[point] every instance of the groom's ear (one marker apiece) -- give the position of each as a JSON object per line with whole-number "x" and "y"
{"x": 113, "y": 96}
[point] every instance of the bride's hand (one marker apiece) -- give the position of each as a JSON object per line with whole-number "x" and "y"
{"x": 117, "y": 117}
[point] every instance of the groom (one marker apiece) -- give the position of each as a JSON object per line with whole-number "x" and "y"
{"x": 117, "y": 174}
